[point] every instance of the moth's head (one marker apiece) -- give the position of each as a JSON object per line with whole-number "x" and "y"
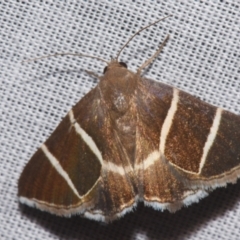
{"x": 115, "y": 65}
{"x": 117, "y": 75}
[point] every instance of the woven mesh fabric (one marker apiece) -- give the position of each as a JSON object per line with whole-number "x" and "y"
{"x": 201, "y": 57}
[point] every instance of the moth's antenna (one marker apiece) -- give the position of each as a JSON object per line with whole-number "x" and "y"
{"x": 135, "y": 34}
{"x": 64, "y": 54}
{"x": 148, "y": 61}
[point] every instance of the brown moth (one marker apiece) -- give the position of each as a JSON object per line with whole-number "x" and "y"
{"x": 132, "y": 139}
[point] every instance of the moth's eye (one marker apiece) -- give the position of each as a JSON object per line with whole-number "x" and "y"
{"x": 123, "y": 64}
{"x": 105, "y": 69}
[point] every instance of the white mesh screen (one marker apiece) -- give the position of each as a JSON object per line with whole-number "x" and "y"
{"x": 201, "y": 57}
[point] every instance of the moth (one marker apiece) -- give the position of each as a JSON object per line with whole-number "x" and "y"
{"x": 132, "y": 139}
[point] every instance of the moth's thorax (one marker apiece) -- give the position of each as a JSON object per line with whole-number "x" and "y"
{"x": 118, "y": 89}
